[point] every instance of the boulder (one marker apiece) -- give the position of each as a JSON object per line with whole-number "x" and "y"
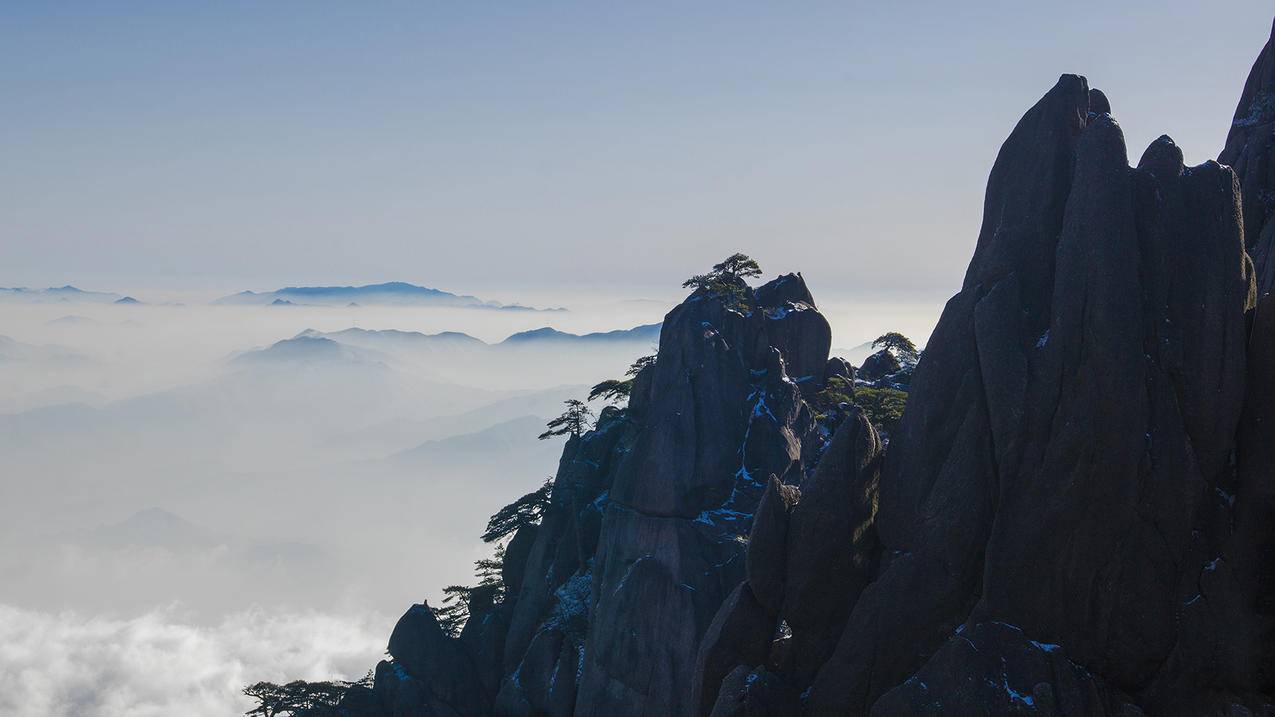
{"x": 832, "y": 546}
{"x": 437, "y": 661}
{"x": 878, "y": 366}
{"x": 739, "y": 635}
{"x": 768, "y": 544}
{"x": 840, "y": 368}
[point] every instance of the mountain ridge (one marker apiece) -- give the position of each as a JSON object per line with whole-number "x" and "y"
{"x": 390, "y": 293}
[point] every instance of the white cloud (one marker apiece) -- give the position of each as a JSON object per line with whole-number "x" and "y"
{"x": 161, "y": 663}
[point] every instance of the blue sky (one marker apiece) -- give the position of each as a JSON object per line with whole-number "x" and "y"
{"x": 608, "y": 145}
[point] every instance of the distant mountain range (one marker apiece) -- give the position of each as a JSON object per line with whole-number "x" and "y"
{"x": 645, "y": 332}
{"x": 12, "y": 351}
{"x": 394, "y": 339}
{"x": 308, "y": 350}
{"x": 64, "y": 294}
{"x": 393, "y": 293}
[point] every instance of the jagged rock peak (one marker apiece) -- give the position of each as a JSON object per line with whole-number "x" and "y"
{"x": 1162, "y": 158}
{"x": 1069, "y": 426}
{"x": 1098, "y": 103}
{"x": 1248, "y": 150}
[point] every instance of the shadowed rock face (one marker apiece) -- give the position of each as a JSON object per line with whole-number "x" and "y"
{"x": 810, "y": 554}
{"x": 1063, "y": 468}
{"x": 645, "y": 536}
{"x": 1248, "y": 150}
{"x": 723, "y": 413}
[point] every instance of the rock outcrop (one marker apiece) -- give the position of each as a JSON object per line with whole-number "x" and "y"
{"x": 644, "y": 540}
{"x": 722, "y": 415}
{"x": 1062, "y": 480}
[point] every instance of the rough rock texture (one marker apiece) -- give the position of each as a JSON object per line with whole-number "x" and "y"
{"x": 766, "y": 559}
{"x": 722, "y": 414}
{"x": 1063, "y": 468}
{"x": 739, "y": 635}
{"x": 832, "y": 545}
{"x": 610, "y": 596}
{"x": 810, "y": 554}
{"x": 755, "y": 692}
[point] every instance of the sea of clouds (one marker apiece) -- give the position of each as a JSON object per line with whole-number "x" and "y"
{"x": 162, "y": 663}
{"x": 177, "y": 523}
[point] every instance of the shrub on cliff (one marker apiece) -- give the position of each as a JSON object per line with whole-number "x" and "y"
{"x": 527, "y": 510}
{"x": 573, "y": 422}
{"x": 883, "y": 406}
{"x": 617, "y": 390}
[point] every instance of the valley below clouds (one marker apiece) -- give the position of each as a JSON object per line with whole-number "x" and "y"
{"x": 199, "y": 496}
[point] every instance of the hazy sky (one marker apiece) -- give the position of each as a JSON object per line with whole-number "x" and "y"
{"x": 620, "y": 145}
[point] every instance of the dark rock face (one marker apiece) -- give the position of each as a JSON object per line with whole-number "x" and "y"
{"x": 885, "y": 369}
{"x": 431, "y": 673}
{"x": 755, "y": 692}
{"x": 738, "y": 636}
{"x": 766, "y": 560}
{"x": 1059, "y": 473}
{"x": 810, "y": 554}
{"x": 994, "y": 669}
{"x": 878, "y": 366}
{"x": 840, "y": 368}
{"x": 610, "y": 597}
{"x": 832, "y": 546}
{"x": 1248, "y": 150}
{"x": 723, "y": 412}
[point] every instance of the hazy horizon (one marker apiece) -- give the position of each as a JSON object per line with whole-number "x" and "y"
{"x": 518, "y": 149}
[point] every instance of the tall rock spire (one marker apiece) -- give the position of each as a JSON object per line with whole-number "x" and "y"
{"x": 1248, "y": 151}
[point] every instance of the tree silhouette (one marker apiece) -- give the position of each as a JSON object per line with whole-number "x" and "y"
{"x": 527, "y": 510}
{"x": 740, "y": 265}
{"x": 897, "y": 341}
{"x": 615, "y": 390}
{"x": 573, "y": 422}
{"x": 454, "y": 612}
{"x": 612, "y": 390}
{"x": 726, "y": 280}
{"x": 296, "y": 698}
{"x": 640, "y": 363}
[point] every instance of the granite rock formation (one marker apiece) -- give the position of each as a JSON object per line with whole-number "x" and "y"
{"x": 1075, "y": 515}
{"x": 608, "y": 597}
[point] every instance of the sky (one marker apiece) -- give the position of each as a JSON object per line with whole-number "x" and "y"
{"x": 503, "y": 147}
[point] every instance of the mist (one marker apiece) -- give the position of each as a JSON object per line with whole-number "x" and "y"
{"x": 181, "y": 474}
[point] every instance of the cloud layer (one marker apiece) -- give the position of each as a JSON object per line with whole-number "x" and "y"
{"x": 162, "y": 664}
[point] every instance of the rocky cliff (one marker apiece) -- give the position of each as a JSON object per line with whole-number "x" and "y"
{"x": 1075, "y": 516}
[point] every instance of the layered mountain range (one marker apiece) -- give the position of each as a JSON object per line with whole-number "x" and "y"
{"x": 393, "y": 293}
{"x": 1075, "y": 515}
